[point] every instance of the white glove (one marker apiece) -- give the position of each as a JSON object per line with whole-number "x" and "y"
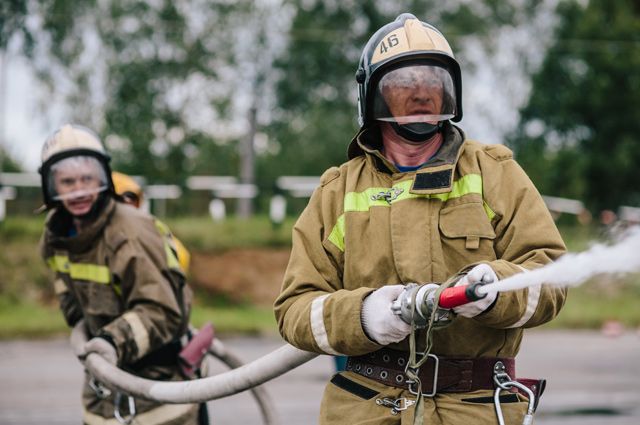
{"x": 378, "y": 321}
{"x": 484, "y": 273}
{"x": 102, "y": 347}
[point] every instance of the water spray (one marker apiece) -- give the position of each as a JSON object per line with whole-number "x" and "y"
{"x": 416, "y": 303}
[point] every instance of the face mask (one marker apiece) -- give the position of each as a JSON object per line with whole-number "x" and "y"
{"x": 417, "y": 132}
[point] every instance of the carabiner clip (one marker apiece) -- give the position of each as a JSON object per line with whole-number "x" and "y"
{"x": 504, "y": 382}
{"x": 101, "y": 391}
{"x": 116, "y": 409}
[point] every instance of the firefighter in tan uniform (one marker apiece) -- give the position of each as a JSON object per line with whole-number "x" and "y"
{"x": 417, "y": 202}
{"x": 117, "y": 270}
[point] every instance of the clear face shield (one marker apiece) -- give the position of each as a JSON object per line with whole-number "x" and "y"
{"x": 76, "y": 181}
{"x": 415, "y": 98}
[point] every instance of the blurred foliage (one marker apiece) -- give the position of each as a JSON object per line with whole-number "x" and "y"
{"x": 578, "y": 135}
{"x": 7, "y": 163}
{"x": 317, "y": 111}
{"x": 203, "y": 234}
{"x": 169, "y": 84}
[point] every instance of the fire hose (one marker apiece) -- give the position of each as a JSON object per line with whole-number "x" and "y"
{"x": 240, "y": 378}
{"x": 416, "y": 304}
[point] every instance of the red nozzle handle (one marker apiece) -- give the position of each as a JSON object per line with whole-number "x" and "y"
{"x": 459, "y": 295}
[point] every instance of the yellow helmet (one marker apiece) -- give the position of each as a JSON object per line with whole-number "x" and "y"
{"x": 405, "y": 42}
{"x": 71, "y": 140}
{"x": 126, "y": 187}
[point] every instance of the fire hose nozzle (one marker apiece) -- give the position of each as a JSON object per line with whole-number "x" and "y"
{"x": 416, "y": 303}
{"x": 460, "y": 295}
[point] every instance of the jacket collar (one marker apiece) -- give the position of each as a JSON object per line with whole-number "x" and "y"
{"x": 436, "y": 176}
{"x": 60, "y": 221}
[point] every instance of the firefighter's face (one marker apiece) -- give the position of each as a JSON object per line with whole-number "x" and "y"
{"x": 77, "y": 186}
{"x": 412, "y": 92}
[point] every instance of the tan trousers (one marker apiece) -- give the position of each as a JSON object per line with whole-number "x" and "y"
{"x": 354, "y": 403}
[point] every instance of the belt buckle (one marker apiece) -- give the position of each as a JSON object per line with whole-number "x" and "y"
{"x": 434, "y": 389}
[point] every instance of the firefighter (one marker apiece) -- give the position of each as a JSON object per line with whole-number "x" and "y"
{"x": 417, "y": 202}
{"x": 116, "y": 269}
{"x": 130, "y": 192}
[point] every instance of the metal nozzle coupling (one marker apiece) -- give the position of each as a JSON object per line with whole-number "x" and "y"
{"x": 418, "y": 309}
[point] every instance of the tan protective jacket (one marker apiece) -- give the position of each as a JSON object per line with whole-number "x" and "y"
{"x": 368, "y": 225}
{"x": 122, "y": 277}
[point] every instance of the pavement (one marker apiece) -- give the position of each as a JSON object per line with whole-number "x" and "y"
{"x": 592, "y": 379}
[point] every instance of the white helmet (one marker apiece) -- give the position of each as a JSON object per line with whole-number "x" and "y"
{"x": 404, "y": 55}
{"x": 73, "y": 145}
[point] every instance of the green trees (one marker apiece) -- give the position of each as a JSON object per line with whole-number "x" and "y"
{"x": 579, "y": 133}
{"x": 170, "y": 85}
{"x": 316, "y": 106}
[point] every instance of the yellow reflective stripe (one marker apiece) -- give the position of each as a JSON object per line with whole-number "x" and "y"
{"x": 170, "y": 252}
{"x": 162, "y": 228}
{"x": 363, "y": 201}
{"x": 59, "y": 263}
{"x": 172, "y": 259}
{"x": 91, "y": 272}
{"x": 488, "y": 210}
{"x": 82, "y": 271}
{"x": 337, "y": 234}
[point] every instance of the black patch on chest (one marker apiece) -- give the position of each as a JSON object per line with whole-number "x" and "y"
{"x": 436, "y": 180}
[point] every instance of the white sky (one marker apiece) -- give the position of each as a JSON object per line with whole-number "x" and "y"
{"x": 24, "y": 127}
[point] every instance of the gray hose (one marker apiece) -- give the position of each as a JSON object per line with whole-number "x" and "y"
{"x": 222, "y": 385}
{"x": 260, "y": 394}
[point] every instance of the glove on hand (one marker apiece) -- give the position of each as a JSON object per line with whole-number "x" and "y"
{"x": 378, "y": 321}
{"x": 102, "y": 347}
{"x": 484, "y": 273}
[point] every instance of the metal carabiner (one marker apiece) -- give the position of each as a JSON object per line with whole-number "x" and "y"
{"x": 116, "y": 409}
{"x": 397, "y": 405}
{"x": 101, "y": 391}
{"x": 504, "y": 382}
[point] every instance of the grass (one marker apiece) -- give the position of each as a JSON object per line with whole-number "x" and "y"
{"x": 33, "y": 320}
{"x": 26, "y": 292}
{"x": 203, "y": 234}
{"x": 596, "y": 302}
{"x": 29, "y": 320}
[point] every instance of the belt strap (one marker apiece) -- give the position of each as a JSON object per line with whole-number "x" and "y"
{"x": 455, "y": 375}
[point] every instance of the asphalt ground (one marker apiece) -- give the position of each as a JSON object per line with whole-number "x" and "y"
{"x": 592, "y": 379}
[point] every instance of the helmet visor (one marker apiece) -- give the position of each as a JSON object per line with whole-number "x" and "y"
{"x": 415, "y": 94}
{"x": 76, "y": 178}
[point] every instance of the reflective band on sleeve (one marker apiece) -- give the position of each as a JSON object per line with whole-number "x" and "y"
{"x": 58, "y": 263}
{"x": 337, "y": 234}
{"x": 363, "y": 201}
{"x": 167, "y": 413}
{"x": 90, "y": 272}
{"x": 140, "y": 334}
{"x": 59, "y": 287}
{"x": 80, "y": 271}
{"x": 533, "y": 298}
{"x": 317, "y": 325}
{"x": 169, "y": 246}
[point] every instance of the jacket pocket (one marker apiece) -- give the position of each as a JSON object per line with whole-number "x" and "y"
{"x": 467, "y": 234}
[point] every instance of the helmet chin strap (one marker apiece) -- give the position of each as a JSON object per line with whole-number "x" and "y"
{"x": 417, "y": 132}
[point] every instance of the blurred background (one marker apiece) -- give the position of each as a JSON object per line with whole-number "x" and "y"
{"x": 228, "y": 111}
